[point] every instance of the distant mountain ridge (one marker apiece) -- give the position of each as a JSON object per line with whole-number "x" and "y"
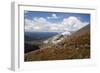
{"x": 37, "y": 36}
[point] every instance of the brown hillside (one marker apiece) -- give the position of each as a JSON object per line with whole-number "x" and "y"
{"x": 77, "y": 46}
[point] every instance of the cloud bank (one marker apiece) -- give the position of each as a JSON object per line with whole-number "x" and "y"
{"x": 40, "y": 24}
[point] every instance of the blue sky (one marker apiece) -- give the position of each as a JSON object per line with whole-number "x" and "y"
{"x": 44, "y": 20}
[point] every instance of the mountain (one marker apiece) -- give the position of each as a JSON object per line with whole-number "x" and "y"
{"x": 34, "y": 40}
{"x": 74, "y": 46}
{"x": 37, "y": 36}
{"x": 57, "y": 38}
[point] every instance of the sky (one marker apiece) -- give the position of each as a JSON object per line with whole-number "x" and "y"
{"x": 36, "y": 21}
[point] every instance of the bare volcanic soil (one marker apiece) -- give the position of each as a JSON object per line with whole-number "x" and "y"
{"x": 76, "y": 46}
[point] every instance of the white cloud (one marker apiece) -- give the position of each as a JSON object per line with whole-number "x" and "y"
{"x": 54, "y": 28}
{"x": 54, "y": 16}
{"x": 73, "y": 23}
{"x": 37, "y": 24}
{"x": 41, "y": 19}
{"x": 41, "y": 24}
{"x": 36, "y": 28}
{"x": 28, "y": 25}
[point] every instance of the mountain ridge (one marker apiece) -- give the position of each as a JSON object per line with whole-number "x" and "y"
{"x": 76, "y": 46}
